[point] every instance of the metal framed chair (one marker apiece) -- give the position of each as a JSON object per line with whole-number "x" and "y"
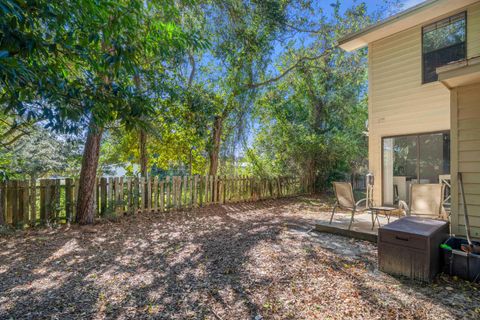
{"x": 346, "y": 201}
{"x": 426, "y": 200}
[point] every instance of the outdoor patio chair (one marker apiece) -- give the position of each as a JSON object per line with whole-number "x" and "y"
{"x": 346, "y": 201}
{"x": 426, "y": 200}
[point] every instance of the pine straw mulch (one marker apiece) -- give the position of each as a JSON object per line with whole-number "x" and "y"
{"x": 243, "y": 261}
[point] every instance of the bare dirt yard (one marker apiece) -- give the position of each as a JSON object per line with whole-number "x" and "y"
{"x": 242, "y": 261}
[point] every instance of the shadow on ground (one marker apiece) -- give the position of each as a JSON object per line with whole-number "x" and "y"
{"x": 241, "y": 261}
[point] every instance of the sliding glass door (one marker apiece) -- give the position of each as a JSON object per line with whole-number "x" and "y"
{"x": 411, "y": 159}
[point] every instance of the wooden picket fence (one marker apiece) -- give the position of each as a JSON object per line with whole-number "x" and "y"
{"x": 47, "y": 201}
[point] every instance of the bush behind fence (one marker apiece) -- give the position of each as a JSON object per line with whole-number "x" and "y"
{"x": 46, "y": 201}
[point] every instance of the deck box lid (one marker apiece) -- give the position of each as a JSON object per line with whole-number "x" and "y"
{"x": 415, "y": 225}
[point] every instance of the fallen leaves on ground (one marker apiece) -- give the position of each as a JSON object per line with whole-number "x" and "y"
{"x": 240, "y": 261}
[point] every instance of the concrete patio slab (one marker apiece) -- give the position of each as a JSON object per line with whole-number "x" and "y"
{"x": 361, "y": 228}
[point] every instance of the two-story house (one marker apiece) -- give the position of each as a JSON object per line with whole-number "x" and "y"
{"x": 424, "y": 102}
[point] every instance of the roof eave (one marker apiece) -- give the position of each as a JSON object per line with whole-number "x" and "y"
{"x": 419, "y": 14}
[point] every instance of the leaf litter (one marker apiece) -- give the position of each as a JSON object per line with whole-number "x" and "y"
{"x": 241, "y": 261}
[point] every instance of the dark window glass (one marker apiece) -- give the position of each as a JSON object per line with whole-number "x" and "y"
{"x": 443, "y": 42}
{"x": 422, "y": 158}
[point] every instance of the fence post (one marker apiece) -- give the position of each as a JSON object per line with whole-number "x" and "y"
{"x": 43, "y": 210}
{"x": 129, "y": 196}
{"x": 167, "y": 194}
{"x": 213, "y": 188}
{"x": 179, "y": 192}
{"x": 244, "y": 187}
{"x": 11, "y": 205}
{"x": 48, "y": 201}
{"x": 180, "y": 188}
{"x": 26, "y": 202}
{"x": 110, "y": 203}
{"x": 155, "y": 194}
{"x": 174, "y": 192}
{"x": 201, "y": 190}
{"x": 162, "y": 195}
{"x": 135, "y": 195}
{"x": 185, "y": 191}
{"x": 121, "y": 202}
{"x": 149, "y": 194}
{"x": 68, "y": 199}
{"x": 270, "y": 187}
{"x": 17, "y": 205}
{"x": 192, "y": 191}
{"x": 223, "y": 195}
{"x": 206, "y": 190}
{"x": 235, "y": 188}
{"x": 56, "y": 203}
{"x": 20, "y": 204}
{"x": 195, "y": 191}
{"x": 115, "y": 196}
{"x": 252, "y": 189}
{"x": 33, "y": 202}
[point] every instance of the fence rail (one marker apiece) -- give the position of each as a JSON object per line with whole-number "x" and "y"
{"x": 46, "y": 201}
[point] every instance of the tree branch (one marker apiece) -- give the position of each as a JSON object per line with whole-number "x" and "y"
{"x": 15, "y": 127}
{"x": 289, "y": 69}
{"x": 13, "y": 140}
{"x": 192, "y": 72}
{"x": 301, "y": 30}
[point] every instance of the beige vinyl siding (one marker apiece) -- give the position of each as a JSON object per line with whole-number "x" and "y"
{"x": 399, "y": 103}
{"x": 466, "y": 156}
{"x": 473, "y": 30}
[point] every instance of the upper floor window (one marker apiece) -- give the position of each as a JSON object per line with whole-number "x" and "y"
{"x": 443, "y": 41}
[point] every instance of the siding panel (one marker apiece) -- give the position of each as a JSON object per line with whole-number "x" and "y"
{"x": 473, "y": 31}
{"x": 399, "y": 102}
{"x": 468, "y": 111}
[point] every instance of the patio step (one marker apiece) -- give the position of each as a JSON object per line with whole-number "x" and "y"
{"x": 367, "y": 235}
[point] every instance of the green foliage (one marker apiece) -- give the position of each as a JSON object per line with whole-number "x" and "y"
{"x": 312, "y": 122}
{"x": 268, "y": 69}
{"x": 69, "y": 61}
{"x": 40, "y": 153}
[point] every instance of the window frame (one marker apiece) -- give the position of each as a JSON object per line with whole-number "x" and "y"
{"x": 465, "y": 15}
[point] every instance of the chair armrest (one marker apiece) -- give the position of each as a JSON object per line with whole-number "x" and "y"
{"x": 360, "y": 201}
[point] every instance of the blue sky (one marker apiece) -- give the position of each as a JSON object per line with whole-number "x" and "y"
{"x": 406, "y": 3}
{"x": 410, "y": 3}
{"x": 372, "y": 6}
{"x": 375, "y": 3}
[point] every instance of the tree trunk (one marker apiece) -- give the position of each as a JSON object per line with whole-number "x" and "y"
{"x": 88, "y": 174}
{"x": 143, "y": 154}
{"x": 216, "y": 139}
{"x": 2, "y": 202}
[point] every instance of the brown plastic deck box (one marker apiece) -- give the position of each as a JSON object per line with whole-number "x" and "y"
{"x": 411, "y": 247}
